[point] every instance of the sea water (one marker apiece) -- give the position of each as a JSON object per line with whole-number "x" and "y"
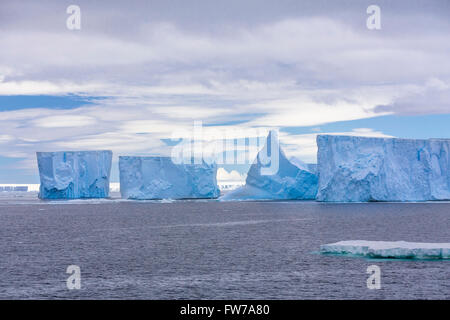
{"x": 213, "y": 250}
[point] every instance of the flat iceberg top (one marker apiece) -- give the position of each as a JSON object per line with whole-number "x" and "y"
{"x": 381, "y": 139}
{"x": 147, "y": 178}
{"x": 88, "y": 152}
{"x": 389, "y": 249}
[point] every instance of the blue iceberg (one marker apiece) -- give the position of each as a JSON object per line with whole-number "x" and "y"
{"x": 146, "y": 178}
{"x": 389, "y": 249}
{"x": 74, "y": 175}
{"x": 360, "y": 169}
{"x": 291, "y": 179}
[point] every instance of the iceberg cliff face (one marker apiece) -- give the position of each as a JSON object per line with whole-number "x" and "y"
{"x": 74, "y": 175}
{"x": 382, "y": 169}
{"x": 389, "y": 249}
{"x": 145, "y": 178}
{"x": 293, "y": 179}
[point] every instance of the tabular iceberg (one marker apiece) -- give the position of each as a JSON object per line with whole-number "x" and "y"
{"x": 387, "y": 249}
{"x": 145, "y": 178}
{"x": 74, "y": 175}
{"x": 293, "y": 179}
{"x": 360, "y": 169}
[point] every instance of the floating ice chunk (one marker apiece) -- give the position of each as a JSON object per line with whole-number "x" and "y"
{"x": 387, "y": 249}
{"x": 293, "y": 180}
{"x": 74, "y": 175}
{"x": 146, "y": 178}
{"x": 359, "y": 169}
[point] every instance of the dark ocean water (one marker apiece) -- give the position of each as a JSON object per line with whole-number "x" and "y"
{"x": 213, "y": 250}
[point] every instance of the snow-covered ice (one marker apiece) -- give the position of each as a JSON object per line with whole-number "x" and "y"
{"x": 388, "y": 249}
{"x": 74, "y": 174}
{"x": 360, "y": 169}
{"x": 145, "y": 178}
{"x": 293, "y": 179}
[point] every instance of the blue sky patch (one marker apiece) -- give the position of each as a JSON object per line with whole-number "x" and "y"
{"x": 414, "y": 127}
{"x": 11, "y": 173}
{"x": 18, "y": 102}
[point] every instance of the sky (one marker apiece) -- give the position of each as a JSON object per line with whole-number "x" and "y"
{"x": 137, "y": 72}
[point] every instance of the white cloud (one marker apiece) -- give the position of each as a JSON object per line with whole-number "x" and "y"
{"x": 68, "y": 121}
{"x": 45, "y": 87}
{"x": 159, "y": 77}
{"x": 233, "y": 175}
{"x": 5, "y": 138}
{"x": 432, "y": 97}
{"x": 297, "y": 113}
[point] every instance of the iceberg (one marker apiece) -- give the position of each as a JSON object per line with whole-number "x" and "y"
{"x": 361, "y": 169}
{"x": 293, "y": 179}
{"x": 387, "y": 249}
{"x": 74, "y": 175}
{"x": 146, "y": 178}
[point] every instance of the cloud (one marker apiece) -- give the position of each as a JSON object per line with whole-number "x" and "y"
{"x": 5, "y": 138}
{"x": 433, "y": 97}
{"x": 158, "y": 70}
{"x": 64, "y": 122}
{"x": 233, "y": 175}
{"x": 44, "y": 87}
{"x": 305, "y": 112}
{"x": 307, "y": 50}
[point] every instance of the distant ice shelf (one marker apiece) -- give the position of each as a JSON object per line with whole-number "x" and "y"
{"x": 17, "y": 188}
{"x": 388, "y": 249}
{"x": 74, "y": 174}
{"x": 147, "y": 178}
